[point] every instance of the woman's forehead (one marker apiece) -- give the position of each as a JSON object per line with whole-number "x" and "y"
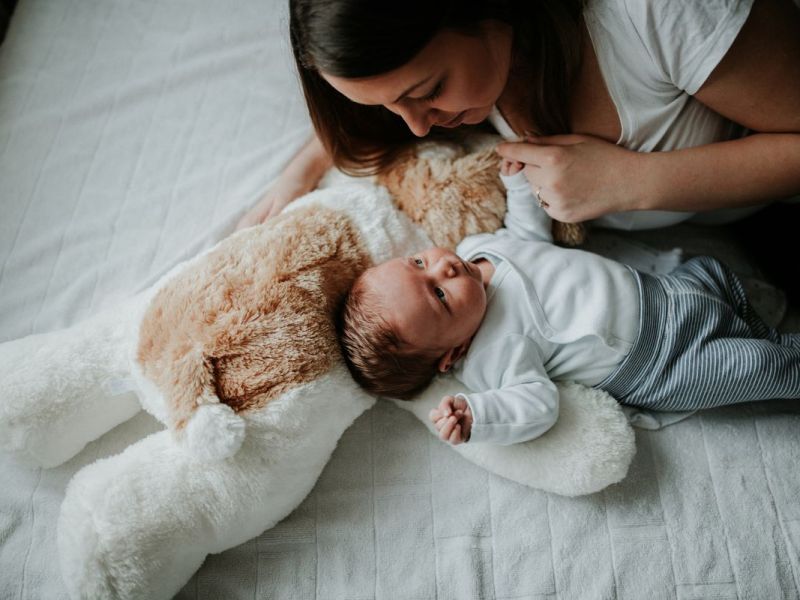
{"x": 414, "y": 77}
{"x": 384, "y": 89}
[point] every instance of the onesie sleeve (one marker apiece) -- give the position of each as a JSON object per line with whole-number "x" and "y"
{"x": 522, "y": 405}
{"x": 525, "y": 219}
{"x": 687, "y": 40}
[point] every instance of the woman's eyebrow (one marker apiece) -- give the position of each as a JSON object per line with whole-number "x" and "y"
{"x": 412, "y": 88}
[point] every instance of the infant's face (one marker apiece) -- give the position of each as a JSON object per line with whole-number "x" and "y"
{"x": 432, "y": 299}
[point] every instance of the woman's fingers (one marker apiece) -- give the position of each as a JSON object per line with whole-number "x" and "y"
{"x": 539, "y": 148}
{"x": 577, "y": 177}
{"x": 567, "y": 139}
{"x": 523, "y": 152}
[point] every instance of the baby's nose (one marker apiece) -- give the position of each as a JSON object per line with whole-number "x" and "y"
{"x": 447, "y": 268}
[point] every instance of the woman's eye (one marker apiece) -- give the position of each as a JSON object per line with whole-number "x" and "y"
{"x": 419, "y": 263}
{"x": 439, "y": 293}
{"x": 435, "y": 93}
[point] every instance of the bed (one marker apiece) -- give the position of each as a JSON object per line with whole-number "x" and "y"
{"x": 134, "y": 135}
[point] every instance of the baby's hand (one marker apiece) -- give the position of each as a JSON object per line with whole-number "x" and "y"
{"x": 510, "y": 167}
{"x": 452, "y": 419}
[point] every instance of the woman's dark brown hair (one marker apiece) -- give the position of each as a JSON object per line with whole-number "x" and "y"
{"x": 363, "y": 38}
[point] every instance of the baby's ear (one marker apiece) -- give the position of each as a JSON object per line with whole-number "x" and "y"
{"x": 446, "y": 361}
{"x": 450, "y": 357}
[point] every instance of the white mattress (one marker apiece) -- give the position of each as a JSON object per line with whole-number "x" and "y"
{"x": 132, "y": 135}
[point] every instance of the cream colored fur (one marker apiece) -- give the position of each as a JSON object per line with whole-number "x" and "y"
{"x": 458, "y": 194}
{"x": 254, "y": 318}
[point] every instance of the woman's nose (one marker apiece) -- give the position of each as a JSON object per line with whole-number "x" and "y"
{"x": 418, "y": 118}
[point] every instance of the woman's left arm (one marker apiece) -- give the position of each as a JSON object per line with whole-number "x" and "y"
{"x": 757, "y": 84}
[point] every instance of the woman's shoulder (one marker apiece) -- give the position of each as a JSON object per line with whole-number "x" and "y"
{"x": 683, "y": 40}
{"x": 662, "y": 14}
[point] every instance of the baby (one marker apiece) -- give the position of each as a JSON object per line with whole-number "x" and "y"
{"x": 510, "y": 313}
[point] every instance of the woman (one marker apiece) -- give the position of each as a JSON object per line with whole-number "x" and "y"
{"x": 634, "y": 114}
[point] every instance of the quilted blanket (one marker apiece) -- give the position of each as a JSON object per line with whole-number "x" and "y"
{"x": 135, "y": 134}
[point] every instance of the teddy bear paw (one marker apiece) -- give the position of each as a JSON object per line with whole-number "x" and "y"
{"x": 215, "y": 432}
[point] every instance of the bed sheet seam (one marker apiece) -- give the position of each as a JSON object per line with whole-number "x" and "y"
{"x": 707, "y": 457}
{"x": 433, "y": 520}
{"x": 644, "y": 439}
{"x": 47, "y": 155}
{"x": 135, "y": 171}
{"x": 774, "y": 504}
{"x": 32, "y": 502}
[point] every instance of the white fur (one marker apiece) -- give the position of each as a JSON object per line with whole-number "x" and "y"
{"x": 214, "y": 432}
{"x": 589, "y": 448}
{"x": 138, "y": 524}
{"x": 61, "y": 390}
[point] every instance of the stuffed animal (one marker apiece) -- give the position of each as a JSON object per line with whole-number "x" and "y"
{"x": 435, "y": 184}
{"x": 235, "y": 353}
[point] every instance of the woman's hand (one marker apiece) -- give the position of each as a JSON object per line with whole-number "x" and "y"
{"x": 510, "y": 167}
{"x": 281, "y": 192}
{"x": 579, "y": 177}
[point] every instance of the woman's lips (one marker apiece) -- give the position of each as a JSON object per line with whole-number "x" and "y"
{"x": 455, "y": 121}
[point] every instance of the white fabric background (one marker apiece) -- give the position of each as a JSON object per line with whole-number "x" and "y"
{"x": 132, "y": 135}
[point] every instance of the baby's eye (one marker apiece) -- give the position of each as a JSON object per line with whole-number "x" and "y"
{"x": 419, "y": 263}
{"x": 440, "y": 294}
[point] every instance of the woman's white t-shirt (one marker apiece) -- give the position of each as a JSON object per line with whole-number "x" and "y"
{"x": 654, "y": 55}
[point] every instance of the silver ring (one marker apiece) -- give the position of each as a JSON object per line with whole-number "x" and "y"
{"x": 542, "y": 203}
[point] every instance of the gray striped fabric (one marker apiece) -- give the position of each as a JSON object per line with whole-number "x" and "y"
{"x": 701, "y": 345}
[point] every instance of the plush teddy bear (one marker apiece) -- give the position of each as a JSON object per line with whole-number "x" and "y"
{"x": 235, "y": 353}
{"x": 435, "y": 184}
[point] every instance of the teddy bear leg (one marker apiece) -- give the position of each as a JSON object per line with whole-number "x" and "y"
{"x": 63, "y": 389}
{"x": 139, "y": 524}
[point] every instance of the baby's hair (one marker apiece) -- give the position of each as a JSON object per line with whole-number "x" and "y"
{"x": 378, "y": 359}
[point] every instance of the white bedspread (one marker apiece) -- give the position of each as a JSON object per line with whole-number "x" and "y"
{"x": 134, "y": 134}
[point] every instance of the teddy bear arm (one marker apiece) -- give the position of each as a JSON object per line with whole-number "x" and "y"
{"x": 65, "y": 388}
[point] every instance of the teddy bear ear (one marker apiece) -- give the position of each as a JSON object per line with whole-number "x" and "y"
{"x": 452, "y": 193}
{"x": 409, "y": 182}
{"x": 449, "y": 194}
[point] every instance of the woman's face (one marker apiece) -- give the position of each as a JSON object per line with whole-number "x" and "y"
{"x": 455, "y": 79}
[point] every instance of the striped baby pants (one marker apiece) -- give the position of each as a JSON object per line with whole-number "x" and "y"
{"x": 702, "y": 345}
